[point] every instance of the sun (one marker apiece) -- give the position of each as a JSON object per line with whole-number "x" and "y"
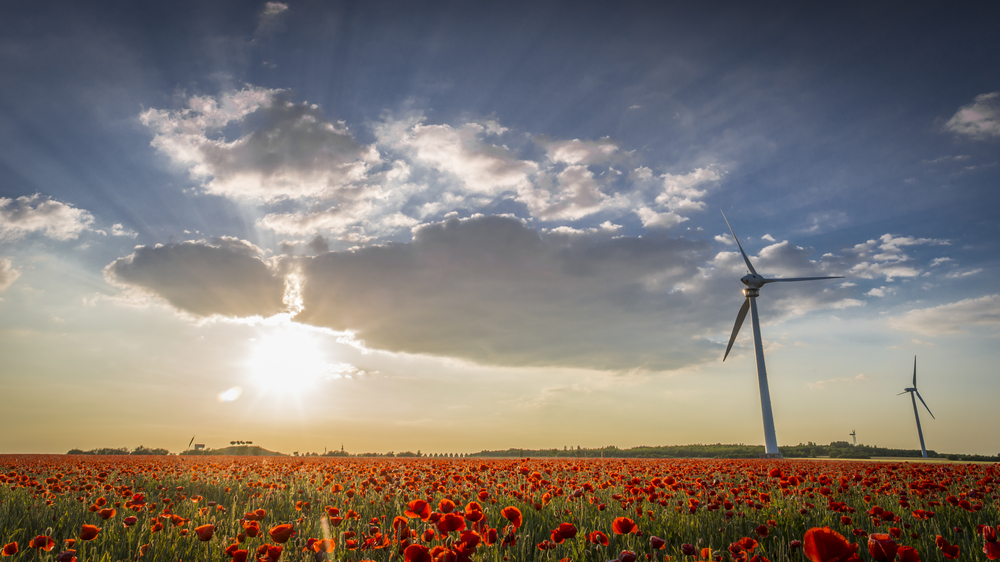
{"x": 288, "y": 359}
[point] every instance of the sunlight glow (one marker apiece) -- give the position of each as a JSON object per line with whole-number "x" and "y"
{"x": 288, "y": 360}
{"x": 230, "y": 395}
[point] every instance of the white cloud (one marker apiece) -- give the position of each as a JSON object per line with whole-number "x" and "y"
{"x": 270, "y": 20}
{"x": 481, "y": 167}
{"x": 39, "y": 214}
{"x": 885, "y": 257}
{"x": 767, "y": 237}
{"x": 876, "y": 292}
{"x": 118, "y": 230}
{"x": 579, "y": 152}
{"x": 966, "y": 273}
{"x": 938, "y": 261}
{"x": 334, "y": 219}
{"x": 861, "y": 378}
{"x": 980, "y": 119}
{"x": 7, "y": 274}
{"x": 957, "y": 317}
{"x": 652, "y": 219}
{"x": 292, "y": 151}
{"x": 682, "y": 192}
{"x": 576, "y": 195}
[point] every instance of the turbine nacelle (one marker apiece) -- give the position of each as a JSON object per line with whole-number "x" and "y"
{"x": 753, "y": 280}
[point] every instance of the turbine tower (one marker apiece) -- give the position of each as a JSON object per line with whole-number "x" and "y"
{"x": 854, "y": 436}
{"x": 753, "y": 282}
{"x": 913, "y": 391}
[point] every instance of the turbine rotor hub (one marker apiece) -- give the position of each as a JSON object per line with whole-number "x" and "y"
{"x": 751, "y": 292}
{"x": 753, "y": 280}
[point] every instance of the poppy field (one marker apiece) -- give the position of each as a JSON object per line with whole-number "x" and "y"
{"x": 67, "y": 508}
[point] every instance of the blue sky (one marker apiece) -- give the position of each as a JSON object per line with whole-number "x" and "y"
{"x": 452, "y": 227}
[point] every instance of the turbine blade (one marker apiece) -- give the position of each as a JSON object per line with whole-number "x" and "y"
{"x": 740, "y": 316}
{"x": 902, "y": 393}
{"x": 782, "y": 280}
{"x": 745, "y": 258}
{"x": 915, "y": 375}
{"x": 924, "y": 403}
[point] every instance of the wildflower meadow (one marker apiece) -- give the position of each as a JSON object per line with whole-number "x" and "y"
{"x": 65, "y": 508}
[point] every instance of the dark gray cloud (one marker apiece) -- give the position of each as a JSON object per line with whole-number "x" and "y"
{"x": 225, "y": 277}
{"x": 494, "y": 291}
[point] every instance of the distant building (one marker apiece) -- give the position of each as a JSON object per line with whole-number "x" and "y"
{"x": 199, "y": 446}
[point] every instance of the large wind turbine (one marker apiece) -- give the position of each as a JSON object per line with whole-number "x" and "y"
{"x": 754, "y": 282}
{"x": 913, "y": 391}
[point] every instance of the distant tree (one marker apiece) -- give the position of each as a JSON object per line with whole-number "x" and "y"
{"x": 232, "y": 442}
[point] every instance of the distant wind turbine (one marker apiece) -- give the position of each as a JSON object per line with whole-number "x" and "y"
{"x": 854, "y": 437}
{"x": 753, "y": 283}
{"x": 191, "y": 441}
{"x": 913, "y": 391}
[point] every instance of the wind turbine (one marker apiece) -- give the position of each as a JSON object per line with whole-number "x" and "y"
{"x": 854, "y": 437}
{"x": 913, "y": 391}
{"x": 754, "y": 282}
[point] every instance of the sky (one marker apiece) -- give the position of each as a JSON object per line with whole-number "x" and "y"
{"x": 454, "y": 226}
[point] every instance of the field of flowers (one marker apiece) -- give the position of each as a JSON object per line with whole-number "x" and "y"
{"x": 66, "y": 508}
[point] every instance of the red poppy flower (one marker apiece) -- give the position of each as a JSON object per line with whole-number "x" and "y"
{"x": 826, "y": 545}
{"x": 762, "y": 531}
{"x": 42, "y": 542}
{"x": 252, "y": 528}
{"x": 451, "y": 522}
{"x": 656, "y": 543}
{"x": 240, "y": 555}
{"x": 281, "y": 533}
{"x": 130, "y": 520}
{"x": 89, "y": 532}
{"x": 269, "y": 552}
{"x": 10, "y": 549}
{"x": 513, "y": 515}
{"x": 882, "y": 547}
{"x": 907, "y": 554}
{"x": 546, "y": 545}
{"x": 446, "y": 506}
{"x": 418, "y": 508}
{"x": 66, "y": 556}
{"x": 949, "y": 550}
{"x": 689, "y": 550}
{"x": 205, "y": 532}
{"x": 321, "y": 545}
{"x": 417, "y": 553}
{"x": 106, "y": 513}
{"x": 991, "y": 548}
{"x": 566, "y": 530}
{"x": 470, "y": 539}
{"x": 626, "y": 556}
{"x": 747, "y": 544}
{"x": 623, "y": 526}
{"x": 597, "y": 537}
